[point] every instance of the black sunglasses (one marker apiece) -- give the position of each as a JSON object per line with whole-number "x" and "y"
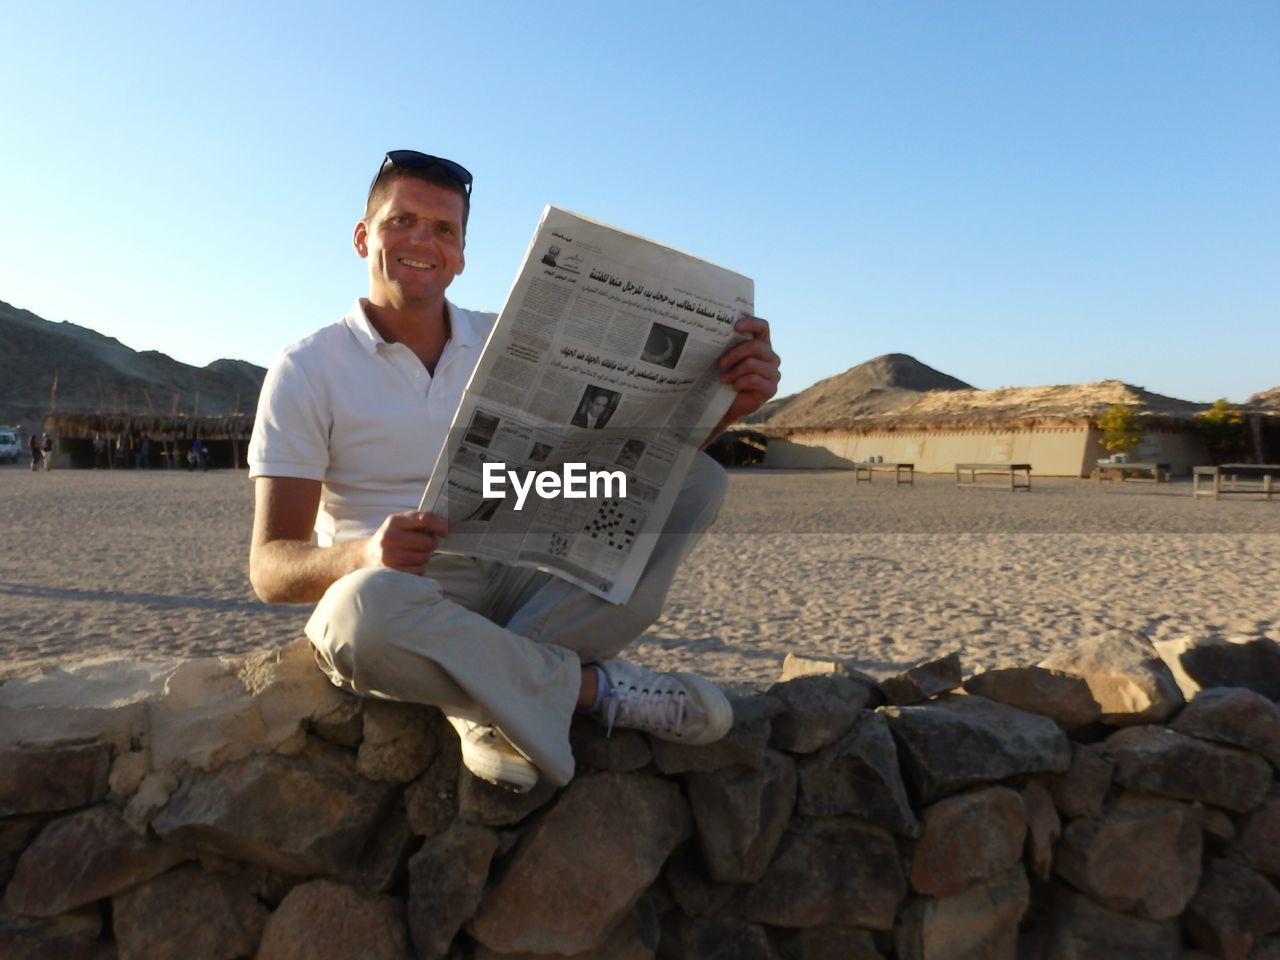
{"x": 413, "y": 160}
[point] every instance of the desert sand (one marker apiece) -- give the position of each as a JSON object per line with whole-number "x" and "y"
{"x": 110, "y": 564}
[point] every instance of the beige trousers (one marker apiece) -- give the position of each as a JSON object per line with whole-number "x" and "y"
{"x": 507, "y": 641}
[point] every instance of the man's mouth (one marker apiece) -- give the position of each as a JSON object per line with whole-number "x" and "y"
{"x": 416, "y": 264}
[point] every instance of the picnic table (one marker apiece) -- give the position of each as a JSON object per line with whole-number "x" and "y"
{"x": 1109, "y": 471}
{"x": 867, "y": 467}
{"x": 1013, "y": 471}
{"x": 1227, "y": 479}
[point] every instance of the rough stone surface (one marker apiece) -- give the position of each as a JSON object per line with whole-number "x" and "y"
{"x": 830, "y": 871}
{"x": 981, "y": 922}
{"x": 968, "y": 839}
{"x": 69, "y": 936}
{"x": 1126, "y": 676}
{"x": 248, "y": 811}
{"x": 1258, "y": 843}
{"x": 1234, "y": 716}
{"x": 1198, "y": 663}
{"x": 188, "y": 914}
{"x": 594, "y": 748}
{"x": 794, "y": 666}
{"x": 47, "y": 779}
{"x": 599, "y": 847}
{"x": 924, "y": 680}
{"x": 819, "y": 711}
{"x": 694, "y": 892}
{"x": 128, "y": 771}
{"x": 1140, "y": 857}
{"x": 1044, "y": 827}
{"x": 446, "y": 880}
{"x": 343, "y": 725}
{"x": 1171, "y": 764}
{"x": 684, "y": 938}
{"x": 1073, "y": 927}
{"x": 431, "y": 801}
{"x": 826, "y": 943}
{"x": 635, "y": 938}
{"x": 959, "y": 741}
{"x": 1081, "y": 791}
{"x": 487, "y": 805}
{"x": 382, "y": 862}
{"x": 744, "y": 745}
{"x": 860, "y": 775}
{"x": 1234, "y": 907}
{"x": 1061, "y": 697}
{"x": 400, "y": 740}
{"x": 741, "y": 815}
{"x": 81, "y": 858}
{"x": 325, "y": 920}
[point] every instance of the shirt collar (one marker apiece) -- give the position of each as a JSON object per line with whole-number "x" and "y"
{"x": 464, "y": 330}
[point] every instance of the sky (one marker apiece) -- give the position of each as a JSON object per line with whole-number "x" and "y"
{"x": 1015, "y": 193}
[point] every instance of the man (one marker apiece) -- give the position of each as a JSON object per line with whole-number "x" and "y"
{"x": 349, "y": 425}
{"x": 594, "y": 410}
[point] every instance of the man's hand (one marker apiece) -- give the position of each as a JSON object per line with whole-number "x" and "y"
{"x": 751, "y": 368}
{"x": 405, "y": 541}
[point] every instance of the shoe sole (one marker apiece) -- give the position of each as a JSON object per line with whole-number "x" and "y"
{"x": 717, "y": 706}
{"x": 507, "y": 774}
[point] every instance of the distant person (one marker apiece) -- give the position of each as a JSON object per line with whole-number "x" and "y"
{"x": 99, "y": 452}
{"x": 46, "y": 447}
{"x": 37, "y": 451}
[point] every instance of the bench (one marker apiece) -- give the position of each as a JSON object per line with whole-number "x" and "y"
{"x": 1226, "y": 479}
{"x": 1012, "y": 470}
{"x": 1109, "y": 471}
{"x": 864, "y": 467}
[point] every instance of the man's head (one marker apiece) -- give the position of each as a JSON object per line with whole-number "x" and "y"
{"x": 597, "y": 405}
{"x": 419, "y": 166}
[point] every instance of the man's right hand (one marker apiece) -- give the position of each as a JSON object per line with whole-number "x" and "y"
{"x": 405, "y": 541}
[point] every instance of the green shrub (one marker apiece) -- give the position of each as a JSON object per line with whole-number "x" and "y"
{"x": 1121, "y": 429}
{"x": 1222, "y": 429}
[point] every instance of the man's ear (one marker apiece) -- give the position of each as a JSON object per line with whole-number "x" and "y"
{"x": 360, "y": 239}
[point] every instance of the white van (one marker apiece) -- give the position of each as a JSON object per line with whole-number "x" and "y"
{"x": 10, "y": 445}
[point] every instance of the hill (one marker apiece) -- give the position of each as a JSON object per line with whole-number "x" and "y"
{"x": 100, "y": 374}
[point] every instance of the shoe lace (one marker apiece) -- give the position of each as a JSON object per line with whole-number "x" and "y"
{"x": 647, "y": 709}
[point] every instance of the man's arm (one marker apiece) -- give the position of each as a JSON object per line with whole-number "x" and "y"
{"x": 286, "y": 567}
{"x": 752, "y": 369}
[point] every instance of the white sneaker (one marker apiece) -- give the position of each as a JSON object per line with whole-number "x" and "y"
{"x": 490, "y": 756}
{"x": 680, "y": 707}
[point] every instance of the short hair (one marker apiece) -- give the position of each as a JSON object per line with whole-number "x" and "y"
{"x": 390, "y": 173}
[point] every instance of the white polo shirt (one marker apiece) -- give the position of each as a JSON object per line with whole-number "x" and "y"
{"x": 363, "y": 416}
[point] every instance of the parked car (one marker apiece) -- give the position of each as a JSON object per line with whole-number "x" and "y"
{"x": 10, "y": 445}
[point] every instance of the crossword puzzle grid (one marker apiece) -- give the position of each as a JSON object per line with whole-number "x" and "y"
{"x": 615, "y": 523}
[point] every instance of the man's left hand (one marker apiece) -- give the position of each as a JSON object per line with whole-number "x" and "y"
{"x": 751, "y": 368}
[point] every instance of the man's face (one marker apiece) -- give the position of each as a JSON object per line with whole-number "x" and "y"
{"x": 413, "y": 243}
{"x": 598, "y": 405}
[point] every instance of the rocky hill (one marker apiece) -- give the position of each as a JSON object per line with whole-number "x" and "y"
{"x": 96, "y": 373}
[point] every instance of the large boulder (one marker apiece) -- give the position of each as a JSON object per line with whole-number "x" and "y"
{"x": 968, "y": 839}
{"x": 819, "y": 710}
{"x": 924, "y": 680}
{"x": 1235, "y": 716}
{"x": 982, "y": 922}
{"x": 1126, "y": 677}
{"x": 1070, "y": 926}
{"x": 1062, "y": 697}
{"x": 188, "y": 914}
{"x": 446, "y": 880}
{"x": 1200, "y": 663}
{"x": 1171, "y": 764}
{"x": 1081, "y": 790}
{"x": 859, "y": 775}
{"x": 1233, "y": 909}
{"x": 1258, "y": 843}
{"x": 50, "y": 778}
{"x": 326, "y": 920}
{"x": 400, "y": 740}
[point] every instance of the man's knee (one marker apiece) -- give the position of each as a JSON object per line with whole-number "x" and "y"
{"x": 701, "y": 496}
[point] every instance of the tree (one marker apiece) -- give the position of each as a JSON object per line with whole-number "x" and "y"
{"x": 1121, "y": 429}
{"x": 1221, "y": 427}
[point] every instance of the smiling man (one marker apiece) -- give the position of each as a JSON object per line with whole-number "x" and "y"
{"x": 350, "y": 423}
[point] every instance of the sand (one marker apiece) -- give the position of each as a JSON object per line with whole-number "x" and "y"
{"x": 110, "y": 564}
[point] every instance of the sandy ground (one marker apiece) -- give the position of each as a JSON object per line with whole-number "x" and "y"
{"x": 122, "y": 564}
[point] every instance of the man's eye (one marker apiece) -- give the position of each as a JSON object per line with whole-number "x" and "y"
{"x": 399, "y": 219}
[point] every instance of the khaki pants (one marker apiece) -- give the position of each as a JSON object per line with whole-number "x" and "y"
{"x": 507, "y": 641}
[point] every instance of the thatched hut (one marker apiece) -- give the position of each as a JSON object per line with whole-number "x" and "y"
{"x": 147, "y": 440}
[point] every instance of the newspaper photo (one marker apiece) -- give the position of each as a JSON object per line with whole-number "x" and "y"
{"x": 595, "y": 389}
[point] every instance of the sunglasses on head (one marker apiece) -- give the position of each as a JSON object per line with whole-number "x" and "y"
{"x": 413, "y": 160}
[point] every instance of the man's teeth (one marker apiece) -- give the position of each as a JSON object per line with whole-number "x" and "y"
{"x": 415, "y": 263}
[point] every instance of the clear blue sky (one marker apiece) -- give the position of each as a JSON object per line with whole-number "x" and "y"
{"x": 1016, "y": 193}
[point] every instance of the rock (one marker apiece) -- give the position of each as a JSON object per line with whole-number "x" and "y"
{"x": 826, "y": 943}
{"x": 741, "y": 815}
{"x": 1063, "y": 698}
{"x": 325, "y": 920}
{"x": 981, "y": 923}
{"x": 1126, "y": 676}
{"x": 1043, "y": 829}
{"x": 149, "y": 799}
{"x": 635, "y": 938}
{"x": 742, "y": 746}
{"x": 15, "y": 834}
{"x": 694, "y": 892}
{"x": 968, "y": 839}
{"x": 748, "y": 708}
{"x": 431, "y": 801}
{"x": 923, "y": 681}
{"x": 1268, "y": 949}
{"x": 959, "y": 741}
{"x": 343, "y": 726}
{"x": 709, "y": 939}
{"x": 830, "y": 871}
{"x": 796, "y": 666}
{"x": 187, "y": 914}
{"x": 68, "y": 936}
{"x": 1140, "y": 857}
{"x": 1199, "y": 663}
{"x": 859, "y": 775}
{"x": 238, "y": 811}
{"x": 594, "y": 748}
{"x": 818, "y": 711}
{"x": 82, "y": 858}
{"x": 383, "y": 859}
{"x": 400, "y": 740}
{"x": 1073, "y": 927}
{"x": 1161, "y": 761}
{"x": 446, "y": 880}
{"x": 127, "y": 773}
{"x": 1081, "y": 790}
{"x": 53, "y": 778}
{"x": 599, "y": 847}
{"x": 487, "y": 805}
{"x": 1233, "y": 908}
{"x": 1234, "y": 716}
{"x": 1259, "y": 841}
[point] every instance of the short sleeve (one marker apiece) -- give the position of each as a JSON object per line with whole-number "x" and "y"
{"x": 292, "y": 427}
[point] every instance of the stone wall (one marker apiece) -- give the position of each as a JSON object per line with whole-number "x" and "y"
{"x": 244, "y": 808}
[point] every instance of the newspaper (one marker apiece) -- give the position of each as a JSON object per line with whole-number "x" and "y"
{"x": 596, "y": 387}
